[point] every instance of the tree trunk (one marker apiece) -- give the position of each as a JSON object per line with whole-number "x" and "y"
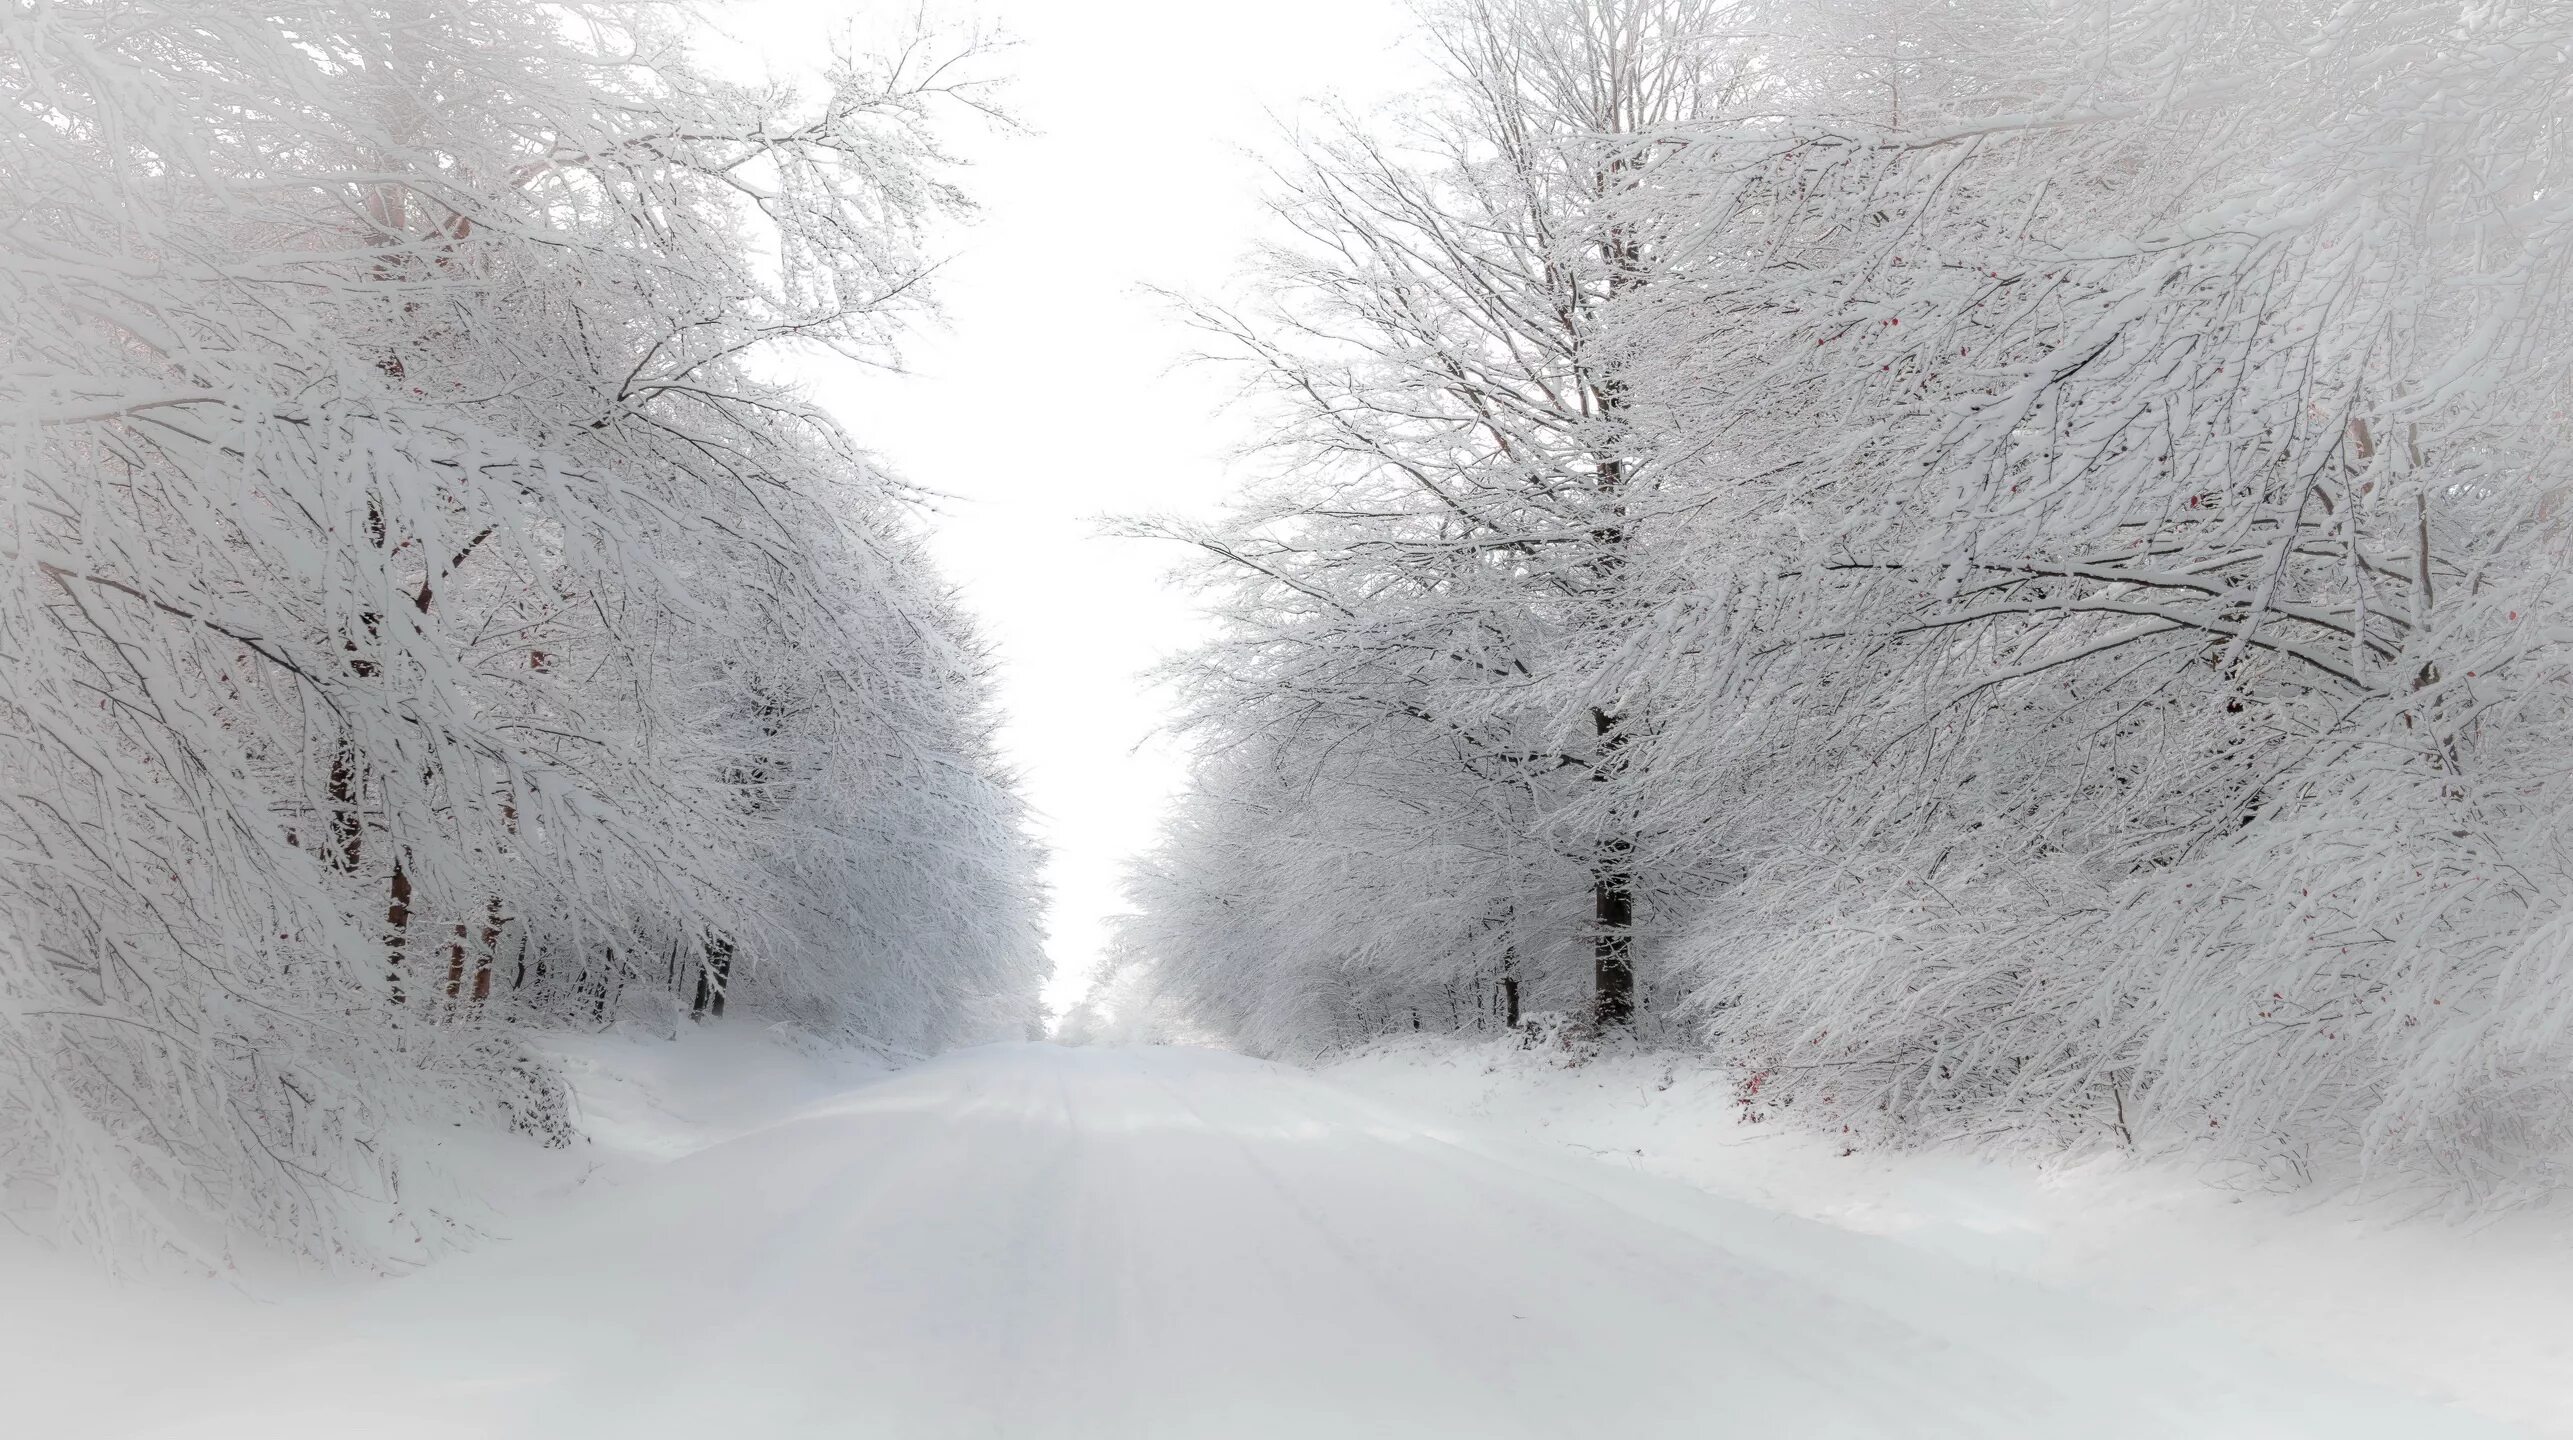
{"x": 600, "y": 994}
{"x": 397, "y": 926}
{"x": 714, "y": 977}
{"x": 456, "y": 962}
{"x": 348, "y": 835}
{"x": 1612, "y": 899}
{"x": 488, "y": 959}
{"x": 1612, "y": 947}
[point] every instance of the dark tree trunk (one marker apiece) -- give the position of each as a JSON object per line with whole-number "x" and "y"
{"x": 348, "y": 833}
{"x": 1612, "y": 897}
{"x": 456, "y": 962}
{"x": 1612, "y": 948}
{"x": 397, "y": 926}
{"x": 469, "y": 973}
{"x": 714, "y": 977}
{"x": 488, "y": 960}
{"x": 601, "y": 993}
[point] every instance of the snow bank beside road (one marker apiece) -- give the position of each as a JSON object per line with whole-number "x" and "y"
{"x": 2482, "y": 1317}
{"x": 1028, "y": 1240}
{"x": 83, "y": 1355}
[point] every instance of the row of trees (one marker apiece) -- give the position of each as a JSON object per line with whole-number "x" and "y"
{"x": 424, "y": 623}
{"x": 1998, "y": 563}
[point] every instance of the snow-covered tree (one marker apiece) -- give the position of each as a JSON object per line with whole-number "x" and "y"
{"x": 2055, "y": 569}
{"x": 423, "y": 621}
{"x": 1410, "y": 599}
{"x": 2127, "y": 609}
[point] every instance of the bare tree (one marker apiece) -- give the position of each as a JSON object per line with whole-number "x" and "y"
{"x": 395, "y": 520}
{"x": 1456, "y": 497}
{"x": 2116, "y": 571}
{"x": 2032, "y": 526}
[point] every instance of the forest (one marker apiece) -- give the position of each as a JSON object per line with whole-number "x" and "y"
{"x": 429, "y": 623}
{"x": 1498, "y": 719}
{"x": 1995, "y": 571}
{"x": 1996, "y": 568}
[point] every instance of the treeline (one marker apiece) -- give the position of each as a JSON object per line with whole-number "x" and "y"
{"x": 1998, "y": 565}
{"x": 426, "y": 623}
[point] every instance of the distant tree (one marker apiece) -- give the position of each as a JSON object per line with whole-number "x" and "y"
{"x": 1409, "y": 599}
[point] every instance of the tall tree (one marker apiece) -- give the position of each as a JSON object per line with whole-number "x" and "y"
{"x": 2118, "y": 576}
{"x": 2058, "y": 548}
{"x": 396, "y": 519}
{"x": 1451, "y": 520}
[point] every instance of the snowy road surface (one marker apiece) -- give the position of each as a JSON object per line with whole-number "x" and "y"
{"x": 1034, "y": 1242}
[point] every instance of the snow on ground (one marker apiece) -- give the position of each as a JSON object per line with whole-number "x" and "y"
{"x": 2481, "y": 1316}
{"x": 1030, "y": 1241}
{"x": 84, "y": 1356}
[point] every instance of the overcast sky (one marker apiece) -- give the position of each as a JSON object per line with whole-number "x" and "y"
{"x": 1052, "y": 398}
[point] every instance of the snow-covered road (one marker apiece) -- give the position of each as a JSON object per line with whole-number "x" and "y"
{"x": 1031, "y": 1242}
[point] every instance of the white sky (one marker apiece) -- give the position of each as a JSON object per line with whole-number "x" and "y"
{"x": 1052, "y": 398}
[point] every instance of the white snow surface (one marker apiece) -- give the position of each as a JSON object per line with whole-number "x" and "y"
{"x": 2480, "y": 1315}
{"x": 1031, "y": 1241}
